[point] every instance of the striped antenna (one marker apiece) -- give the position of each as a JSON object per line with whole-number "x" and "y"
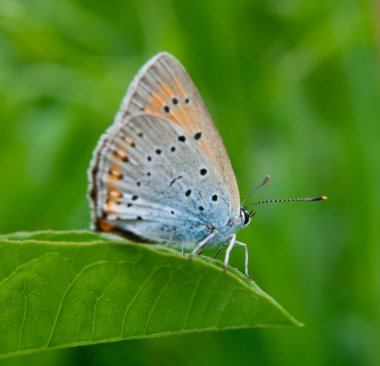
{"x": 265, "y": 180}
{"x": 320, "y": 198}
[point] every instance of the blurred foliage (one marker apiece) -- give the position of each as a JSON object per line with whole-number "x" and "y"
{"x": 294, "y": 89}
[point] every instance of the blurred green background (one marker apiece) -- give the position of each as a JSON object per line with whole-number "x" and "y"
{"x": 294, "y": 89}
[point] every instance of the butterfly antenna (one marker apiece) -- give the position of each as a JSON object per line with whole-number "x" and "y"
{"x": 320, "y": 198}
{"x": 251, "y": 213}
{"x": 265, "y": 180}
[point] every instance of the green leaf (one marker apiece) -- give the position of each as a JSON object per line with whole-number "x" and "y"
{"x": 62, "y": 289}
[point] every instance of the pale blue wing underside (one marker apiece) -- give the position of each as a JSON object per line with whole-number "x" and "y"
{"x": 169, "y": 191}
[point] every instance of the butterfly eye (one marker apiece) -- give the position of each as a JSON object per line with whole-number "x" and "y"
{"x": 245, "y": 217}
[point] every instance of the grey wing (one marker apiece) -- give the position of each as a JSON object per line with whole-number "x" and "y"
{"x": 151, "y": 182}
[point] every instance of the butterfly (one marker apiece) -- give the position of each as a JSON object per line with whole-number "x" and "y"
{"x": 161, "y": 174}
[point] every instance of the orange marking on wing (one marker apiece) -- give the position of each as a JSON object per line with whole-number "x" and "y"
{"x": 187, "y": 117}
{"x": 155, "y": 107}
{"x": 129, "y": 141}
{"x": 206, "y": 148}
{"x": 120, "y": 154}
{"x": 112, "y": 206}
{"x": 113, "y": 200}
{"x": 113, "y": 193}
{"x": 104, "y": 225}
{"x": 159, "y": 98}
{"x": 179, "y": 87}
{"x": 184, "y": 115}
{"x": 115, "y": 173}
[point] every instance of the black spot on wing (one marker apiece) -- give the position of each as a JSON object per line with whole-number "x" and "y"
{"x": 198, "y": 135}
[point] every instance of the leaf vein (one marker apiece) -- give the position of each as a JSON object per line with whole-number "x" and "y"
{"x": 68, "y": 288}
{"x": 135, "y": 296}
{"x": 196, "y": 289}
{"x": 153, "y": 308}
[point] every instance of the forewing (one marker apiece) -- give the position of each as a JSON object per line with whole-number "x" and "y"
{"x": 163, "y": 88}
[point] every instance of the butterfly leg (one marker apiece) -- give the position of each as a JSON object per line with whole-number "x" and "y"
{"x": 219, "y": 250}
{"x": 240, "y": 244}
{"x": 200, "y": 246}
{"x": 228, "y": 251}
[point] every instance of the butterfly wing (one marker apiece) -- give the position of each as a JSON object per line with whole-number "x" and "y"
{"x": 153, "y": 183}
{"x": 163, "y": 88}
{"x": 164, "y": 101}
